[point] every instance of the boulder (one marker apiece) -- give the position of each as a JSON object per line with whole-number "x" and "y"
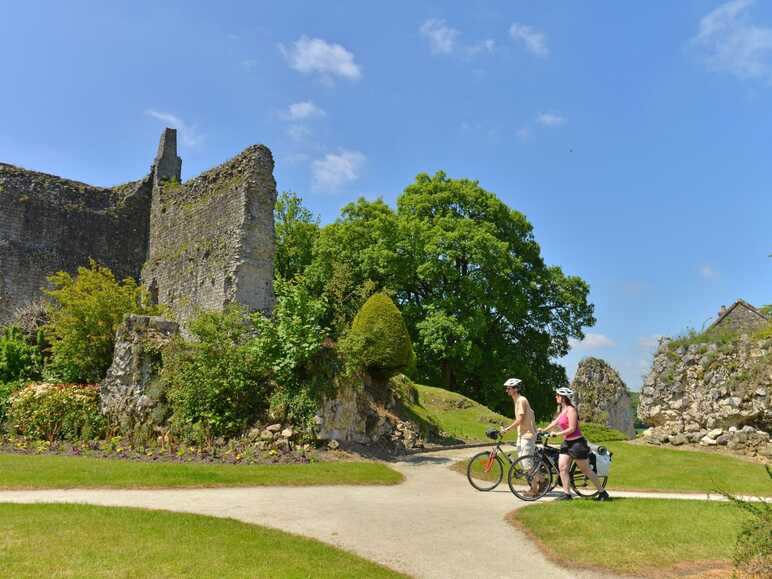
{"x": 602, "y": 396}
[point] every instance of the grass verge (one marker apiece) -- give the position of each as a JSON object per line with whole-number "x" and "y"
{"x": 638, "y": 536}
{"x": 646, "y": 468}
{"x": 46, "y": 471}
{"x": 62, "y": 541}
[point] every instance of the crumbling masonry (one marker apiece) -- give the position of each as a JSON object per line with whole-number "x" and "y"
{"x": 197, "y": 245}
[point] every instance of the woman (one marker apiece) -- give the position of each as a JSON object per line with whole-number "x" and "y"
{"x": 574, "y": 447}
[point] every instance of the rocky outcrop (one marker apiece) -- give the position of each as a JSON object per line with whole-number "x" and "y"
{"x": 358, "y": 414}
{"x": 602, "y": 396}
{"x": 713, "y": 394}
{"x": 126, "y": 399}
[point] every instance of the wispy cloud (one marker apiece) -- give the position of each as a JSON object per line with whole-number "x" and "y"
{"x": 731, "y": 43}
{"x": 302, "y": 111}
{"x": 299, "y": 133}
{"x": 550, "y": 119}
{"x": 523, "y": 133}
{"x": 335, "y": 170}
{"x": 189, "y": 135}
{"x": 708, "y": 271}
{"x": 444, "y": 40}
{"x": 592, "y": 342}
{"x": 534, "y": 41}
{"x": 248, "y": 64}
{"x": 317, "y": 56}
{"x": 441, "y": 37}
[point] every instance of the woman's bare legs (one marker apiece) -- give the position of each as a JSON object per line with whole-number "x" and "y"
{"x": 564, "y": 464}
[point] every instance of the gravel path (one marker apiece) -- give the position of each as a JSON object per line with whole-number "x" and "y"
{"x": 432, "y": 525}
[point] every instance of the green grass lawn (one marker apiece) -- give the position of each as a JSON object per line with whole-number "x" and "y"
{"x": 634, "y": 535}
{"x": 455, "y": 415}
{"x": 49, "y": 471}
{"x": 637, "y": 467}
{"x": 89, "y": 541}
{"x": 640, "y": 467}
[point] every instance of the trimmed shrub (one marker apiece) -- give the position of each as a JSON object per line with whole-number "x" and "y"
{"x": 6, "y": 391}
{"x": 57, "y": 412}
{"x": 18, "y": 359}
{"x": 378, "y": 341}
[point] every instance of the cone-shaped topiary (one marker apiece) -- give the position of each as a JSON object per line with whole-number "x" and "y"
{"x": 378, "y": 340}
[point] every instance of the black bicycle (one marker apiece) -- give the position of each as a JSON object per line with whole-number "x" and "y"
{"x": 534, "y": 475}
{"x": 486, "y": 469}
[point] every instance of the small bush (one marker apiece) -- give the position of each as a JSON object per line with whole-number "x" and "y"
{"x": 57, "y": 412}
{"x": 7, "y": 389}
{"x": 753, "y": 550}
{"x": 598, "y": 433}
{"x": 378, "y": 341}
{"x": 86, "y": 313}
{"x": 215, "y": 385}
{"x": 692, "y": 337}
{"x": 18, "y": 359}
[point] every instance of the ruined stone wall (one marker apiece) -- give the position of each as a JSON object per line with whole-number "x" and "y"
{"x": 212, "y": 238}
{"x": 197, "y": 246}
{"x": 697, "y": 390}
{"x": 48, "y": 224}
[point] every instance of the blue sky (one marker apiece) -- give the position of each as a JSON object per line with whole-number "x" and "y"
{"x": 635, "y": 138}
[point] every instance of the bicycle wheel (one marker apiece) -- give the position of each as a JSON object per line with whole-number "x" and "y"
{"x": 530, "y": 477}
{"x": 485, "y": 470}
{"x": 582, "y": 485}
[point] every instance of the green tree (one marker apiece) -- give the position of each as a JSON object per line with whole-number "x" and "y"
{"x": 469, "y": 278}
{"x": 84, "y": 317}
{"x": 297, "y": 230}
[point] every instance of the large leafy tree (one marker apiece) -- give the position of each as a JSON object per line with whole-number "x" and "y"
{"x": 297, "y": 230}
{"x": 467, "y": 273}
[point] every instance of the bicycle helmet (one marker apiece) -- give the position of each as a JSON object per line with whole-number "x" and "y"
{"x": 512, "y": 382}
{"x": 563, "y": 391}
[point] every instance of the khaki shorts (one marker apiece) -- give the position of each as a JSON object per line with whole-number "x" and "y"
{"x": 526, "y": 446}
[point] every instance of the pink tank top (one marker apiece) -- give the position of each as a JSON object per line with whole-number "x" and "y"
{"x": 563, "y": 424}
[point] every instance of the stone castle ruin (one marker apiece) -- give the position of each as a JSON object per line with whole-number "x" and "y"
{"x": 197, "y": 245}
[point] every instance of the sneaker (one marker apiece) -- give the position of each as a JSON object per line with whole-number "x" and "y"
{"x": 564, "y": 497}
{"x": 602, "y": 496}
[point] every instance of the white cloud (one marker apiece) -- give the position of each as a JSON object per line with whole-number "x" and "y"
{"x": 523, "y": 133}
{"x": 337, "y": 169}
{"x": 249, "y": 64}
{"x": 302, "y": 111}
{"x": 488, "y": 45}
{"x": 317, "y": 56}
{"x": 708, "y": 272}
{"x": 535, "y": 42}
{"x": 188, "y": 135}
{"x": 441, "y": 37}
{"x": 550, "y": 119}
{"x": 299, "y": 133}
{"x": 733, "y": 44}
{"x": 592, "y": 342}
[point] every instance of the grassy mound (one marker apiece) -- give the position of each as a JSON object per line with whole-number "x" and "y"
{"x": 60, "y": 541}
{"x": 46, "y": 471}
{"x": 636, "y": 536}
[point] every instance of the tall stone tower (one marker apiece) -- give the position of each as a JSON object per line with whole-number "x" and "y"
{"x": 211, "y": 238}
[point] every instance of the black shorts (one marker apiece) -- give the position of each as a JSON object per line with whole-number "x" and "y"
{"x": 576, "y": 448}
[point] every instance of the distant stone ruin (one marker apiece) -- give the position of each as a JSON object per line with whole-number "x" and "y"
{"x": 197, "y": 245}
{"x": 602, "y": 396}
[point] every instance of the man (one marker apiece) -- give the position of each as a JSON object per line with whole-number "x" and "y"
{"x": 525, "y": 421}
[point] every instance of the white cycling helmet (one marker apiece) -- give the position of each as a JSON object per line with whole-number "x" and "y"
{"x": 563, "y": 391}
{"x": 512, "y": 382}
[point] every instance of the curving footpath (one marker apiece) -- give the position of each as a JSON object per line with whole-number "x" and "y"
{"x": 432, "y": 525}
